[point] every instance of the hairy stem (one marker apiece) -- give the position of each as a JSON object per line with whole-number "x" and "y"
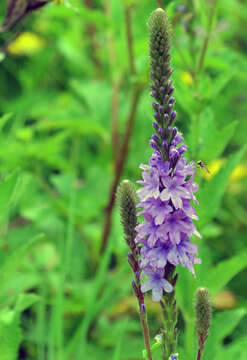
{"x": 92, "y": 38}
{"x": 160, "y": 4}
{"x": 198, "y": 355}
{"x": 120, "y": 164}
{"x": 129, "y": 37}
{"x": 143, "y": 318}
{"x": 123, "y": 149}
{"x": 115, "y": 87}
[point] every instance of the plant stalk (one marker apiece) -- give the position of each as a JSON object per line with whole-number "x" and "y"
{"x": 169, "y": 310}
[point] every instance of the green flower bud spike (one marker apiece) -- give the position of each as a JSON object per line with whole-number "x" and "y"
{"x": 203, "y": 316}
{"x": 127, "y": 201}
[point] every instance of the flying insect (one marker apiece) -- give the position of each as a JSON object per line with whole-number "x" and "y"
{"x": 202, "y": 165}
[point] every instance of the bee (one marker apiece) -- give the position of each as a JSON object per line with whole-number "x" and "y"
{"x": 203, "y": 166}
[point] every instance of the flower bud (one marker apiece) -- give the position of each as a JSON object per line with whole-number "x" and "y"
{"x": 203, "y": 315}
{"x": 155, "y": 138}
{"x": 173, "y": 116}
{"x": 155, "y": 126}
{"x": 127, "y": 201}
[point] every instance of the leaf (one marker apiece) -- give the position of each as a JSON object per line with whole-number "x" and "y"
{"x": 24, "y": 301}
{"x": 221, "y": 81}
{"x": 185, "y": 290}
{"x": 212, "y": 142}
{"x": 236, "y": 350}
{"x": 221, "y": 274}
{"x": 10, "y": 331}
{"x": 215, "y": 143}
{"x": 4, "y": 119}
{"x": 223, "y": 324}
{"x": 211, "y": 194}
{"x": 7, "y": 190}
{"x": 15, "y": 258}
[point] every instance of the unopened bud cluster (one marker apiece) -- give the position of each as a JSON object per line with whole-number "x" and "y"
{"x": 203, "y": 315}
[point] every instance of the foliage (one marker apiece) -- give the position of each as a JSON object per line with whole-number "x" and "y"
{"x": 69, "y": 83}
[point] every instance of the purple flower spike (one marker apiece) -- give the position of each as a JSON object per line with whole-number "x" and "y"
{"x": 167, "y": 190}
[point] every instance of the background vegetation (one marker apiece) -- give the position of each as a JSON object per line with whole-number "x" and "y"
{"x": 76, "y": 117}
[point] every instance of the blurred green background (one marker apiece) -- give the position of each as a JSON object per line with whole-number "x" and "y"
{"x": 75, "y": 118}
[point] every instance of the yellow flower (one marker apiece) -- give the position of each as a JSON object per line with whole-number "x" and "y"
{"x": 186, "y": 77}
{"x": 26, "y": 44}
{"x": 238, "y": 173}
{"x": 213, "y": 167}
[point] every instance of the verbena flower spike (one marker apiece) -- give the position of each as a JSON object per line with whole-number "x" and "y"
{"x": 167, "y": 185}
{"x": 166, "y": 196}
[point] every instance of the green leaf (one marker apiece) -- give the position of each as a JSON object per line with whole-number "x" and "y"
{"x": 223, "y": 324}
{"x": 215, "y": 143}
{"x": 211, "y": 194}
{"x": 236, "y": 350}
{"x": 212, "y": 142}
{"x": 15, "y": 258}
{"x": 10, "y": 331}
{"x": 7, "y": 191}
{"x": 185, "y": 290}
{"x": 4, "y": 119}
{"x": 221, "y": 274}
{"x": 221, "y": 81}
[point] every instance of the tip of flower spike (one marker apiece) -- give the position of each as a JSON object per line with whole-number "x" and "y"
{"x": 158, "y": 20}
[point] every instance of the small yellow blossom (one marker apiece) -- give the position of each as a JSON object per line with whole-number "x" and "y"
{"x": 213, "y": 167}
{"x": 238, "y": 173}
{"x": 186, "y": 77}
{"x": 26, "y": 43}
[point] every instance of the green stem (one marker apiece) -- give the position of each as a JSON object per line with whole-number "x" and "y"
{"x": 207, "y": 37}
{"x": 169, "y": 310}
{"x": 143, "y": 318}
{"x": 189, "y": 337}
{"x": 66, "y": 252}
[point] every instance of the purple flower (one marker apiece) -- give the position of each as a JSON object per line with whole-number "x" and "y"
{"x": 150, "y": 185}
{"x": 183, "y": 253}
{"x": 155, "y": 257}
{"x": 156, "y": 208}
{"x": 150, "y": 231}
{"x": 174, "y": 190}
{"x": 175, "y": 224}
{"x": 165, "y": 202}
{"x": 156, "y": 283}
